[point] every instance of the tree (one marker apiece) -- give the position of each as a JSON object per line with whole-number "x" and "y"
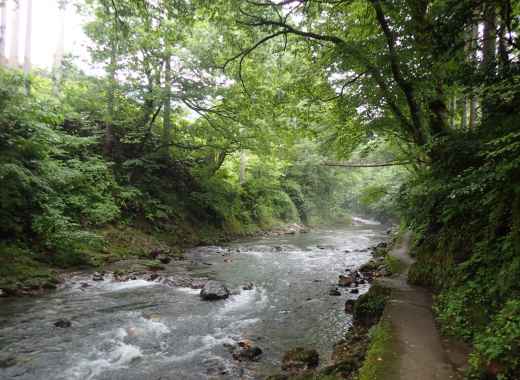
{"x": 13, "y": 53}
{"x": 28, "y": 46}
{"x": 3, "y": 29}
{"x": 60, "y": 48}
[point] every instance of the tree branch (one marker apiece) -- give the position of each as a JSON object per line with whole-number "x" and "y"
{"x": 369, "y": 165}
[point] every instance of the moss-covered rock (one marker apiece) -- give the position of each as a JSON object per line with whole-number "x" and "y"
{"x": 300, "y": 359}
{"x": 370, "y": 306}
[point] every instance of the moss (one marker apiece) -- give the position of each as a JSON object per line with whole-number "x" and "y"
{"x": 394, "y": 265}
{"x": 19, "y": 269}
{"x": 381, "y": 359}
{"x": 370, "y": 306}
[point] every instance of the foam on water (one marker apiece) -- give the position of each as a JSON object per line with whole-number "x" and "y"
{"x": 130, "y": 284}
{"x": 207, "y": 342}
{"x": 371, "y": 222}
{"x": 119, "y": 357}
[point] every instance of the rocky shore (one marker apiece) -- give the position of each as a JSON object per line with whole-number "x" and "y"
{"x": 302, "y": 363}
{"x": 153, "y": 266}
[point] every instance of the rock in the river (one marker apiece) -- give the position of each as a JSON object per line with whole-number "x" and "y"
{"x": 98, "y": 277}
{"x": 198, "y": 284}
{"x": 164, "y": 259}
{"x": 62, "y": 323}
{"x": 345, "y": 280}
{"x": 214, "y": 290}
{"x": 7, "y": 361}
{"x": 349, "y": 306}
{"x": 334, "y": 292}
{"x": 300, "y": 359}
{"x": 354, "y": 291}
{"x": 248, "y": 286}
{"x": 155, "y": 253}
{"x": 247, "y": 351}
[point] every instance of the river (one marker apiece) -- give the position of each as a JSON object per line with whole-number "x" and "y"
{"x": 148, "y": 330}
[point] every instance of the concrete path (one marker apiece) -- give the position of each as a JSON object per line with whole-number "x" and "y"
{"x": 419, "y": 346}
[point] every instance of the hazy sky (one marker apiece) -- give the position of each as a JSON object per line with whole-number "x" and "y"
{"x": 45, "y": 31}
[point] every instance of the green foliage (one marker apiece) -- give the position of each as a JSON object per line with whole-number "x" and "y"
{"x": 54, "y": 186}
{"x": 498, "y": 346}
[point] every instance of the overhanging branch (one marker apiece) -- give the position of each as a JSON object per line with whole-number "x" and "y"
{"x": 369, "y": 165}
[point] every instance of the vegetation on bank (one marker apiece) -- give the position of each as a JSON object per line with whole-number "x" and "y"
{"x": 381, "y": 357}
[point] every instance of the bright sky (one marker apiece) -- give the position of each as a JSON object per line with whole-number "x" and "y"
{"x": 45, "y": 31}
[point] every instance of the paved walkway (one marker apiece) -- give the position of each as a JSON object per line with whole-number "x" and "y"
{"x": 419, "y": 346}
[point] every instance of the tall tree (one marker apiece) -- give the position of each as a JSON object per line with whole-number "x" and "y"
{"x": 13, "y": 51}
{"x": 489, "y": 46}
{"x": 3, "y": 29}
{"x": 28, "y": 47}
{"x": 60, "y": 48}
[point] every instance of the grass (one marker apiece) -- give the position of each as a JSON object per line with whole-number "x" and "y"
{"x": 381, "y": 359}
{"x": 395, "y": 265}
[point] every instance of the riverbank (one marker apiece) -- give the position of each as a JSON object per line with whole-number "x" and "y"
{"x": 126, "y": 252}
{"x": 366, "y": 337}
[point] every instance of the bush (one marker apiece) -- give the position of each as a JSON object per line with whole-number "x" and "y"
{"x": 497, "y": 348}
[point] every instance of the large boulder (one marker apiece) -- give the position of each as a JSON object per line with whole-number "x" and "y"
{"x": 345, "y": 280}
{"x": 214, "y": 290}
{"x": 300, "y": 359}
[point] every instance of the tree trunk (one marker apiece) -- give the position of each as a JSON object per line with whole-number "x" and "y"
{"x": 464, "y": 119}
{"x": 242, "y": 169}
{"x": 489, "y": 40}
{"x": 473, "y": 100}
{"x": 503, "y": 54}
{"x": 167, "y": 123}
{"x": 489, "y": 53}
{"x": 109, "y": 132}
{"x": 13, "y": 53}
{"x": 60, "y": 50}
{"x": 3, "y": 28}
{"x": 28, "y": 46}
{"x": 453, "y": 111}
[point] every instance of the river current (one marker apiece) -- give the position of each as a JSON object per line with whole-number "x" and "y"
{"x": 148, "y": 330}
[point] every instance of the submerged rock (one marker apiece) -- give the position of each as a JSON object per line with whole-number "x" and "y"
{"x": 214, "y": 290}
{"x": 164, "y": 259}
{"x": 349, "y": 306}
{"x": 334, "y": 292}
{"x": 248, "y": 286}
{"x": 98, "y": 277}
{"x": 63, "y": 323}
{"x": 247, "y": 351}
{"x": 300, "y": 359}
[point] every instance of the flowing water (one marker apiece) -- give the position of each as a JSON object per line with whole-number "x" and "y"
{"x": 147, "y": 330}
